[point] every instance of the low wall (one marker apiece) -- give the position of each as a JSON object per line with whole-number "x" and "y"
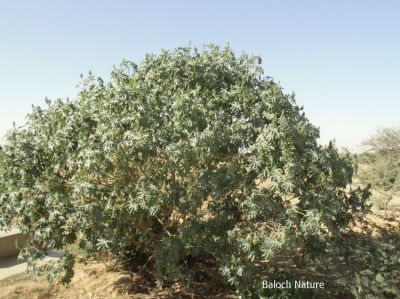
{"x": 8, "y": 242}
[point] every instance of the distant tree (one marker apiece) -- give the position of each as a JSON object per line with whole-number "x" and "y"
{"x": 385, "y": 141}
{"x": 382, "y": 163}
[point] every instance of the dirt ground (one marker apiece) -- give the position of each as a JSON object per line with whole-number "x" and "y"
{"x": 393, "y": 213}
{"x": 95, "y": 280}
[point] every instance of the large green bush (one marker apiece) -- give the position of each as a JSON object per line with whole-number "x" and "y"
{"x": 189, "y": 157}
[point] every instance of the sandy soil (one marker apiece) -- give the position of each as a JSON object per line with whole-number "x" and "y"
{"x": 95, "y": 280}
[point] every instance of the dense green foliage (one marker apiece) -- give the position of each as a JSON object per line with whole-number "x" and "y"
{"x": 189, "y": 157}
{"x": 374, "y": 263}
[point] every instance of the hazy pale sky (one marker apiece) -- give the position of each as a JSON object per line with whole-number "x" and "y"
{"x": 341, "y": 58}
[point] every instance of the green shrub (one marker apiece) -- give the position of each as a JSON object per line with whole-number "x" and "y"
{"x": 189, "y": 157}
{"x": 372, "y": 263}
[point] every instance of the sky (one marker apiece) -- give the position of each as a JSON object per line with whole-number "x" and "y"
{"x": 340, "y": 58}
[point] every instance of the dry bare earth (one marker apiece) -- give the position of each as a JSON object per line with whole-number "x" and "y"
{"x": 95, "y": 280}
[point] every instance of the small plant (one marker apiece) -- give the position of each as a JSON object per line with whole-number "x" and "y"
{"x": 379, "y": 203}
